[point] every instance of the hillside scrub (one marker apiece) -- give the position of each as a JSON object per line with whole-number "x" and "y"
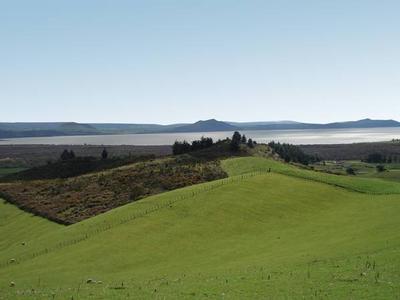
{"x": 71, "y": 200}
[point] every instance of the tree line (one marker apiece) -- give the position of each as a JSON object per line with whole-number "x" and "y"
{"x": 206, "y": 142}
{"x": 185, "y": 147}
{"x": 238, "y": 139}
{"x": 70, "y": 154}
{"x": 292, "y": 153}
{"x": 378, "y": 158}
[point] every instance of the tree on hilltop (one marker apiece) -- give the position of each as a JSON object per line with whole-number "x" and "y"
{"x": 250, "y": 143}
{"x": 235, "y": 142}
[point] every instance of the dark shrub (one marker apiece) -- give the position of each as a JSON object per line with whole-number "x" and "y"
{"x": 250, "y": 143}
{"x": 104, "y": 154}
{"x": 380, "y": 168}
{"x": 375, "y": 158}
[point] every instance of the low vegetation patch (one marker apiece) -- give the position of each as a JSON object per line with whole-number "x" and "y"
{"x": 9, "y": 170}
{"x": 71, "y": 200}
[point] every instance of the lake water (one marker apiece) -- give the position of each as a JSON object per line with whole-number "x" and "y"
{"x": 315, "y": 136}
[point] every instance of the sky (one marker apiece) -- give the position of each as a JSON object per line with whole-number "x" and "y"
{"x": 182, "y": 61}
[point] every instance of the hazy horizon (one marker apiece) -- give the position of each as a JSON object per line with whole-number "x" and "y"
{"x": 175, "y": 123}
{"x": 164, "y": 62}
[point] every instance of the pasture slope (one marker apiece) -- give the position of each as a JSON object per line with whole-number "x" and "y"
{"x": 285, "y": 234}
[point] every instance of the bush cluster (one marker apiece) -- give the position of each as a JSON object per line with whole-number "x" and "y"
{"x": 185, "y": 147}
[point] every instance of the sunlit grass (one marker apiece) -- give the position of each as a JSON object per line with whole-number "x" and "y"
{"x": 255, "y": 235}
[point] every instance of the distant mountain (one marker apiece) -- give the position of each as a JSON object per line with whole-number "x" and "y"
{"x": 7, "y": 134}
{"x": 15, "y": 130}
{"x": 205, "y": 126}
{"x": 119, "y": 128}
{"x": 26, "y": 129}
{"x": 72, "y": 127}
{"x": 265, "y": 123}
{"x": 283, "y": 125}
{"x": 364, "y": 123}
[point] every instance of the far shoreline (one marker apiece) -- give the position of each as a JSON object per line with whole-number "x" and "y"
{"x": 292, "y": 136}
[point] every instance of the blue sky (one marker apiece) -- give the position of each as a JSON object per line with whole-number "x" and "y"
{"x": 181, "y": 61}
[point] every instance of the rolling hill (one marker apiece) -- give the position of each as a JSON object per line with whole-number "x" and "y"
{"x": 269, "y": 230}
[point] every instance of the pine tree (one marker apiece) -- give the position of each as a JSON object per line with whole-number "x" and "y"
{"x": 67, "y": 155}
{"x": 250, "y": 143}
{"x": 235, "y": 142}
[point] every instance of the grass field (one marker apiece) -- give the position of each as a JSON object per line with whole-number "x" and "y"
{"x": 7, "y": 171}
{"x": 285, "y": 234}
{"x": 362, "y": 169}
{"x": 238, "y": 166}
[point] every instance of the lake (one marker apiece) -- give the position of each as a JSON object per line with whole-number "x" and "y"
{"x": 306, "y": 136}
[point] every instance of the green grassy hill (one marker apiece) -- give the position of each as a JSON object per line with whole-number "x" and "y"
{"x": 289, "y": 233}
{"x": 239, "y": 166}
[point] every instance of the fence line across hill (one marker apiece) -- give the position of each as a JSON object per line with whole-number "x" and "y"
{"x": 205, "y": 187}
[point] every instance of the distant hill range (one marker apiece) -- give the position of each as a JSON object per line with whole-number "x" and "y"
{"x": 281, "y": 125}
{"x": 25, "y": 129}
{"x": 205, "y": 126}
{"x": 15, "y": 130}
